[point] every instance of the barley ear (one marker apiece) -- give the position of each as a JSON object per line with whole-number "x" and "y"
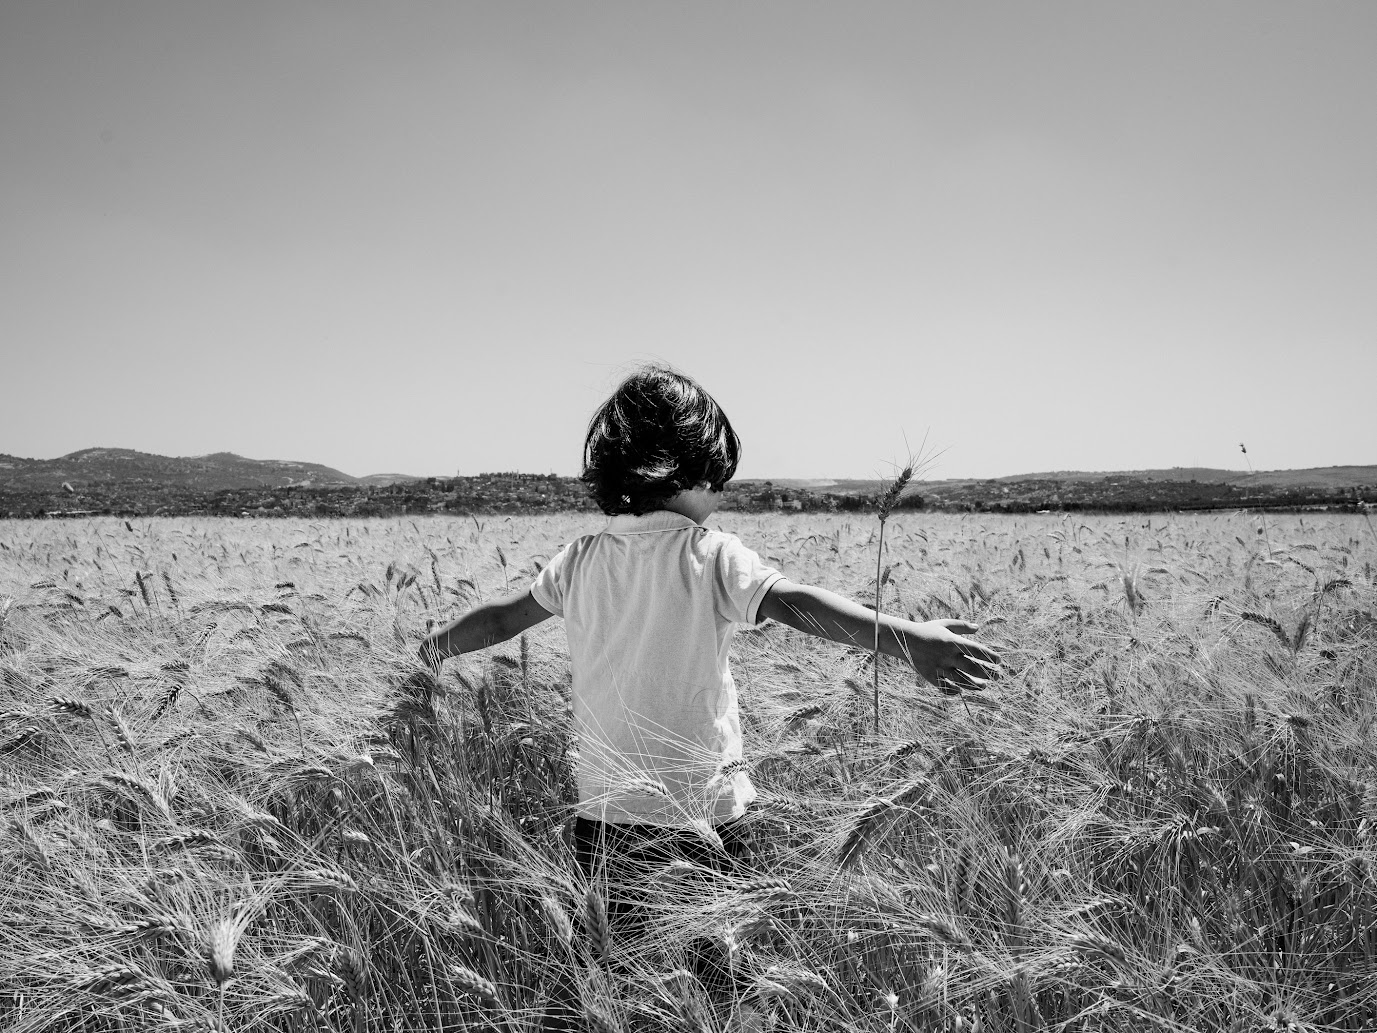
{"x": 467, "y": 981}
{"x": 595, "y": 923}
{"x": 863, "y": 830}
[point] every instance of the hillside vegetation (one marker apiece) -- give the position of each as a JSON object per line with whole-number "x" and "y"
{"x": 511, "y": 493}
{"x": 230, "y": 802}
{"x": 220, "y": 471}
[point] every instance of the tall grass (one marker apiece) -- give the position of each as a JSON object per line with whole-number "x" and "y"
{"x": 229, "y": 801}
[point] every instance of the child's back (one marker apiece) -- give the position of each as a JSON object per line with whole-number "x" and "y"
{"x": 650, "y": 605}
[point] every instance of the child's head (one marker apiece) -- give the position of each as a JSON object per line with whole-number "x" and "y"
{"x": 659, "y": 434}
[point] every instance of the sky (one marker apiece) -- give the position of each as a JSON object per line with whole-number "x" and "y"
{"x": 431, "y": 238}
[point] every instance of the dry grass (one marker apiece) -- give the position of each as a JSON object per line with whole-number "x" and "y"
{"x": 224, "y": 806}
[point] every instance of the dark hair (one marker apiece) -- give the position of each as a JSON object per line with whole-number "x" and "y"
{"x": 659, "y": 434}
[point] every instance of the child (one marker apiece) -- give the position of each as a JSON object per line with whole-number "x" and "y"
{"x": 650, "y": 605}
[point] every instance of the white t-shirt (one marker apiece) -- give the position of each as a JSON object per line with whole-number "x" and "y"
{"x": 650, "y": 606}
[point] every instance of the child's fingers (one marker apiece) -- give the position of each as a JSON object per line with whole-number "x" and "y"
{"x": 968, "y": 672}
{"x": 959, "y": 679}
{"x": 978, "y": 651}
{"x": 960, "y": 627}
{"x": 977, "y": 664}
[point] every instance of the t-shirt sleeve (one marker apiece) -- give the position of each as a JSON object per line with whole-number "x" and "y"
{"x": 548, "y": 587}
{"x": 741, "y": 581}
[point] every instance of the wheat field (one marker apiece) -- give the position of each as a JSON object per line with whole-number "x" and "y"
{"x": 226, "y": 804}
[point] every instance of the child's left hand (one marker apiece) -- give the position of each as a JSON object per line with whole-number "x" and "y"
{"x": 948, "y": 660}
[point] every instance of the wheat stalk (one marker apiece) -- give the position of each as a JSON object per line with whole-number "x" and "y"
{"x": 559, "y": 920}
{"x": 686, "y": 996}
{"x": 141, "y": 788}
{"x": 595, "y": 923}
{"x": 863, "y": 829}
{"x": 889, "y": 498}
{"x": 353, "y": 970}
{"x": 867, "y": 825}
{"x": 67, "y": 705}
{"x": 766, "y": 886}
{"x": 321, "y": 880}
{"x": 470, "y": 982}
{"x": 272, "y": 681}
{"x": 171, "y": 591}
{"x": 793, "y": 980}
{"x": 188, "y": 839}
{"x": 32, "y": 846}
{"x": 599, "y": 1020}
{"x": 1270, "y": 623}
{"x": 74, "y": 707}
{"x": 161, "y": 924}
{"x": 20, "y": 739}
{"x": 142, "y": 579}
{"x": 123, "y": 732}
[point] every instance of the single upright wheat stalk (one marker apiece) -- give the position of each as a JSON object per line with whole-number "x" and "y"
{"x": 886, "y": 502}
{"x": 886, "y": 506}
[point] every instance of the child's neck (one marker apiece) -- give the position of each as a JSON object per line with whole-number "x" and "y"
{"x": 695, "y": 503}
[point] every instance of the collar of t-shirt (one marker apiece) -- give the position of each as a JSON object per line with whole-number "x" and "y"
{"x": 659, "y": 520}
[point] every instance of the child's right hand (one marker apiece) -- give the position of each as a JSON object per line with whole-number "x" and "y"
{"x": 937, "y": 649}
{"x": 950, "y": 661}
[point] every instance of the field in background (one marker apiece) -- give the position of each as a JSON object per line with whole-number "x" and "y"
{"x": 221, "y": 809}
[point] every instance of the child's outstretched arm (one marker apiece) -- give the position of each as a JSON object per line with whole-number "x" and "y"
{"x": 937, "y": 649}
{"x": 485, "y": 625}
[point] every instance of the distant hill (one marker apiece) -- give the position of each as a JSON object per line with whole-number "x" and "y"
{"x": 1328, "y": 477}
{"x": 1313, "y": 477}
{"x": 220, "y": 471}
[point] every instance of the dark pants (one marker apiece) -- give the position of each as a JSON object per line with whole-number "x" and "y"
{"x": 624, "y": 857}
{"x": 621, "y": 861}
